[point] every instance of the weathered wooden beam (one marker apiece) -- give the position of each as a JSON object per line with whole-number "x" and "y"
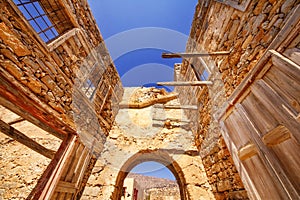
{"x": 46, "y": 178}
{"x": 17, "y": 120}
{"x": 195, "y": 54}
{"x": 53, "y": 180}
{"x": 26, "y": 105}
{"x": 196, "y": 72}
{"x": 172, "y": 120}
{"x": 186, "y": 107}
{"x": 187, "y": 83}
{"x": 23, "y": 139}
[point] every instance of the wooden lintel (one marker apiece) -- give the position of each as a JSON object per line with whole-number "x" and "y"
{"x": 195, "y": 54}
{"x": 20, "y": 137}
{"x": 187, "y": 83}
{"x": 186, "y": 107}
{"x": 25, "y": 104}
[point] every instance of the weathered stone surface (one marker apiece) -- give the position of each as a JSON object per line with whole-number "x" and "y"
{"x": 12, "y": 41}
{"x": 13, "y": 69}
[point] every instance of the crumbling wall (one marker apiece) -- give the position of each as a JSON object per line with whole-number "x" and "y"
{"x": 246, "y": 34}
{"x": 141, "y": 135}
{"x": 51, "y": 73}
{"x": 164, "y": 193}
{"x": 54, "y": 76}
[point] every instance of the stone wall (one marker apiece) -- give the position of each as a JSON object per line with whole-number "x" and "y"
{"x": 141, "y": 135}
{"x": 166, "y": 193}
{"x": 246, "y": 34}
{"x": 71, "y": 79}
{"x": 55, "y": 74}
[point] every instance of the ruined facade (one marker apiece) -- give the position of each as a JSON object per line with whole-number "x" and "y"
{"x": 58, "y": 84}
{"x": 240, "y": 143}
{"x": 252, "y": 105}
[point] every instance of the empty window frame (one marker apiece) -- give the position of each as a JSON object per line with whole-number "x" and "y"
{"x": 46, "y": 17}
{"x": 237, "y": 4}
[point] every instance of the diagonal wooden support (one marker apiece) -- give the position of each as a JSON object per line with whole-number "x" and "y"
{"x": 20, "y": 137}
{"x": 189, "y": 55}
{"x": 185, "y": 83}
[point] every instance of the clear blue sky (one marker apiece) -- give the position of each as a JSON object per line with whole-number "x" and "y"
{"x": 136, "y": 32}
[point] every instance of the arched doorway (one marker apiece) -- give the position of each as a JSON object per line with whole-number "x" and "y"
{"x": 159, "y": 156}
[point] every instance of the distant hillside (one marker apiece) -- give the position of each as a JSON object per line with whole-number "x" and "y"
{"x": 147, "y": 182}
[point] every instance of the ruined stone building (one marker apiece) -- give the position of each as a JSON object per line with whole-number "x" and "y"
{"x": 233, "y": 133}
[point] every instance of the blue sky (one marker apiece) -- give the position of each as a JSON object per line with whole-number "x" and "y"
{"x": 136, "y": 32}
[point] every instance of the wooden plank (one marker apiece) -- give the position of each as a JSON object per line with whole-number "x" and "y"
{"x": 84, "y": 165}
{"x": 293, "y": 54}
{"x": 285, "y": 64}
{"x": 23, "y": 139}
{"x": 185, "y": 83}
{"x": 17, "y": 120}
{"x": 275, "y": 104}
{"x": 276, "y": 136}
{"x": 286, "y": 87}
{"x": 80, "y": 165}
{"x": 171, "y": 119}
{"x": 31, "y": 108}
{"x": 261, "y": 118}
{"x": 269, "y": 159}
{"x": 62, "y": 39}
{"x": 195, "y": 72}
{"x": 71, "y": 169}
{"x": 57, "y": 172}
{"x": 240, "y": 166}
{"x": 185, "y": 107}
{"x": 40, "y": 186}
{"x": 247, "y": 151}
{"x": 66, "y": 187}
{"x": 194, "y": 54}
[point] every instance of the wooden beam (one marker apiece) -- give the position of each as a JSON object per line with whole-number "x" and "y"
{"x": 23, "y": 139}
{"x": 172, "y": 120}
{"x": 44, "y": 180}
{"x": 186, "y": 107}
{"x": 53, "y": 180}
{"x": 196, "y": 73}
{"x": 17, "y": 120}
{"x": 16, "y": 98}
{"x": 195, "y": 54}
{"x": 187, "y": 83}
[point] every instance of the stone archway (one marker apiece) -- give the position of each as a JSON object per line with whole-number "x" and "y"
{"x": 149, "y": 134}
{"x": 159, "y": 156}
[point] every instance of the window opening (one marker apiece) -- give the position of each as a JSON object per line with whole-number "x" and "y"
{"x": 88, "y": 87}
{"x": 40, "y": 19}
